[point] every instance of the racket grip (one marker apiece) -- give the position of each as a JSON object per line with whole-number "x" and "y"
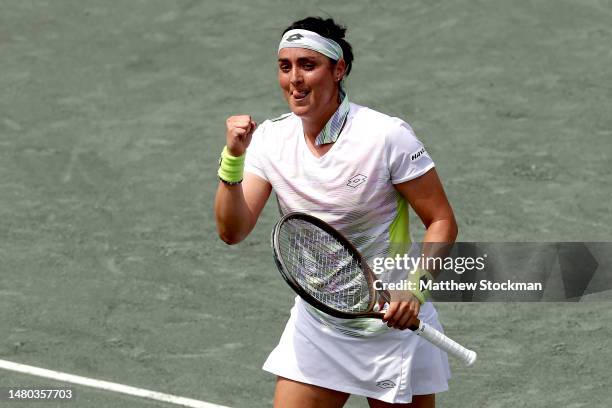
{"x": 450, "y": 346}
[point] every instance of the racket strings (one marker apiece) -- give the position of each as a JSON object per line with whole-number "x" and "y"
{"x": 323, "y": 267}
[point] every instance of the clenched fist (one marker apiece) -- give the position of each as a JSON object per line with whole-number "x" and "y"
{"x": 239, "y": 131}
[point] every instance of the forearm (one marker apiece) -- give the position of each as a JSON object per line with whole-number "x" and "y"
{"x": 442, "y": 230}
{"x": 438, "y": 241}
{"x": 233, "y": 216}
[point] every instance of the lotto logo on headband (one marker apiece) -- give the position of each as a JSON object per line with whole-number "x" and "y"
{"x": 294, "y": 37}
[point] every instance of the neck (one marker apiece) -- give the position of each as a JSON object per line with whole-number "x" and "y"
{"x": 313, "y": 126}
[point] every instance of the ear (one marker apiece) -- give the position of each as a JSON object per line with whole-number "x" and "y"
{"x": 339, "y": 69}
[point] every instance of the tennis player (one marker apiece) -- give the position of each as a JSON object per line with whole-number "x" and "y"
{"x": 358, "y": 170}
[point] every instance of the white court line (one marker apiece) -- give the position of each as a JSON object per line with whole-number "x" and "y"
{"x": 105, "y": 385}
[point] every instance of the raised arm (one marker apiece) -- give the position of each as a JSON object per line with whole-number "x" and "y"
{"x": 238, "y": 206}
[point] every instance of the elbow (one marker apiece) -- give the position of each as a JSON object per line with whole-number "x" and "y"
{"x": 454, "y": 229}
{"x": 230, "y": 239}
{"x": 231, "y": 236}
{"x": 444, "y": 229}
{"x": 228, "y": 233}
{"x": 234, "y": 231}
{"x": 455, "y": 233}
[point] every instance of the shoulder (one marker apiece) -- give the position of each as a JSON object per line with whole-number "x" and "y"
{"x": 280, "y": 125}
{"x": 273, "y": 134}
{"x": 381, "y": 124}
{"x": 281, "y": 117}
{"x": 283, "y": 121}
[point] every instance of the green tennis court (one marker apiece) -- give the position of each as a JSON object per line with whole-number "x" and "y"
{"x": 111, "y": 122}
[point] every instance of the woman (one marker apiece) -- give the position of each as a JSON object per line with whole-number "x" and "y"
{"x": 356, "y": 169}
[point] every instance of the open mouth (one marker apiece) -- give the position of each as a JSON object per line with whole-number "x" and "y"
{"x": 299, "y": 95}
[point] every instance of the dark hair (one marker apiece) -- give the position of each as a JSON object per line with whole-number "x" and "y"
{"x": 330, "y": 29}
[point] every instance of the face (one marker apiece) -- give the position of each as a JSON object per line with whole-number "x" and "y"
{"x": 309, "y": 81}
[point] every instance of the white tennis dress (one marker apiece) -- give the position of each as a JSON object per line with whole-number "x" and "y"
{"x": 351, "y": 188}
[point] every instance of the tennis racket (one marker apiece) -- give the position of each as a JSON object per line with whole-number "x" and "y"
{"x": 328, "y": 272}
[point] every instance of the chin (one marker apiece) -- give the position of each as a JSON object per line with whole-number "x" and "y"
{"x": 299, "y": 110}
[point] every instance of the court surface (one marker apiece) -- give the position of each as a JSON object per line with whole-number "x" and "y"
{"x": 111, "y": 122}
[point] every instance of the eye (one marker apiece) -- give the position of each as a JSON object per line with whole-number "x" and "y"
{"x": 309, "y": 66}
{"x": 284, "y": 67}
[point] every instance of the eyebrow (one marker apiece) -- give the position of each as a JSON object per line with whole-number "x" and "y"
{"x": 299, "y": 60}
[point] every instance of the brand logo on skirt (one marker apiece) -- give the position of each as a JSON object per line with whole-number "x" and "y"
{"x": 386, "y": 384}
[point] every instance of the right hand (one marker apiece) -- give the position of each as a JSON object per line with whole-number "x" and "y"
{"x": 403, "y": 310}
{"x": 238, "y": 135}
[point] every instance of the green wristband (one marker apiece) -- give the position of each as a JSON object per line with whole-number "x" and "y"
{"x": 419, "y": 295}
{"x": 416, "y": 279}
{"x": 231, "y": 168}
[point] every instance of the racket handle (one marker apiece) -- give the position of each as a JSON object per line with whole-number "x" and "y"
{"x": 450, "y": 346}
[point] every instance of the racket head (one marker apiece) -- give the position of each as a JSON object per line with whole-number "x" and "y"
{"x": 323, "y": 267}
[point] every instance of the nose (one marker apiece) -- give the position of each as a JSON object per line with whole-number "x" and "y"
{"x": 295, "y": 76}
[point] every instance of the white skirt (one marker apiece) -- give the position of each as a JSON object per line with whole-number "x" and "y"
{"x": 391, "y": 367}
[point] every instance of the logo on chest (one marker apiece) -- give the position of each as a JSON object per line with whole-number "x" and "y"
{"x": 356, "y": 180}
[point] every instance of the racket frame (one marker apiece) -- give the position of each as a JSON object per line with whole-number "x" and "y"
{"x": 342, "y": 240}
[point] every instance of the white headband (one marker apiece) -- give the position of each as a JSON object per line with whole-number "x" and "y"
{"x": 312, "y": 41}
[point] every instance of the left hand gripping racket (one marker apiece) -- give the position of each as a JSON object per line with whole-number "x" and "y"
{"x": 328, "y": 272}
